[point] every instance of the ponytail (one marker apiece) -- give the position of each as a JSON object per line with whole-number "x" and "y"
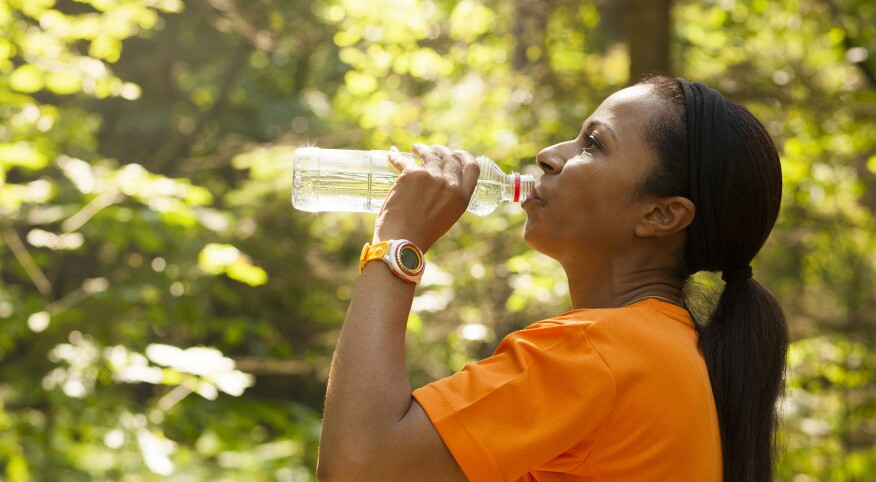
{"x": 744, "y": 343}
{"x": 718, "y": 155}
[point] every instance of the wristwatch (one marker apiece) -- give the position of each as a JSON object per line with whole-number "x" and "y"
{"x": 403, "y": 257}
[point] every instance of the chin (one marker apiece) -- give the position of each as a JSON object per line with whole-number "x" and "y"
{"x": 543, "y": 242}
{"x": 527, "y": 232}
{"x": 531, "y": 237}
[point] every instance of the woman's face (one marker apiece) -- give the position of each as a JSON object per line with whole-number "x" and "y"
{"x": 586, "y": 204}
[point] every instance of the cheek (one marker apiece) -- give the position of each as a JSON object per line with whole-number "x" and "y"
{"x": 587, "y": 217}
{"x": 579, "y": 207}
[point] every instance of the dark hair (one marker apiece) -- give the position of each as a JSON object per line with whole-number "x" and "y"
{"x": 745, "y": 339}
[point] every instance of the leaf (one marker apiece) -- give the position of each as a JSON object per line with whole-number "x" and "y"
{"x": 241, "y": 270}
{"x": 21, "y": 154}
{"x": 470, "y": 19}
{"x": 225, "y": 259}
{"x": 215, "y": 258}
{"x": 65, "y": 82}
{"x": 27, "y": 78}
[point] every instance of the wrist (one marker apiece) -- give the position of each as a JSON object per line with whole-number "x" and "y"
{"x": 383, "y": 236}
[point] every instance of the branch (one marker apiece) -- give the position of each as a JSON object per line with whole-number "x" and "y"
{"x": 30, "y": 267}
{"x": 173, "y": 397}
{"x": 88, "y": 211}
{"x": 261, "y": 39}
{"x": 88, "y": 288}
{"x": 273, "y": 366}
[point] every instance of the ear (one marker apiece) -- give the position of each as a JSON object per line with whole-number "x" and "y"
{"x": 666, "y": 216}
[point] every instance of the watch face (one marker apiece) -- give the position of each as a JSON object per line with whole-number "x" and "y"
{"x": 410, "y": 258}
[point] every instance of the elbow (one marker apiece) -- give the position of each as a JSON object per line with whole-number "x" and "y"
{"x": 323, "y": 472}
{"x": 340, "y": 466}
{"x": 327, "y": 468}
{"x": 326, "y": 472}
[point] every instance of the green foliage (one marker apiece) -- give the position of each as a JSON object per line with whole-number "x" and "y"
{"x": 165, "y": 315}
{"x": 829, "y": 409}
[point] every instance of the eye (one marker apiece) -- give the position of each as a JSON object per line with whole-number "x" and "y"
{"x": 591, "y": 143}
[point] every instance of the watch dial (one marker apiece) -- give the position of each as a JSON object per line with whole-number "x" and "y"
{"x": 409, "y": 257}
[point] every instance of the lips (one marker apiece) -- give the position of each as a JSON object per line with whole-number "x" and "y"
{"x": 532, "y": 198}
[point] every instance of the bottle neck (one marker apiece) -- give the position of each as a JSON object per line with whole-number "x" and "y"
{"x": 517, "y": 187}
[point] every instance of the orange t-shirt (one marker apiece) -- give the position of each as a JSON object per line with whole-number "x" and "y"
{"x": 592, "y": 395}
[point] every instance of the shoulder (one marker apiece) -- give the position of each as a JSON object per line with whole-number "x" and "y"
{"x": 595, "y": 323}
{"x": 570, "y": 323}
{"x": 624, "y": 338}
{"x": 653, "y": 340}
{"x": 650, "y": 319}
{"x": 560, "y": 343}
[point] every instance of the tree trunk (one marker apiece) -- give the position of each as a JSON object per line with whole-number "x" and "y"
{"x": 530, "y": 30}
{"x": 647, "y": 28}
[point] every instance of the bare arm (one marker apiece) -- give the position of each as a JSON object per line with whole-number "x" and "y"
{"x": 372, "y": 428}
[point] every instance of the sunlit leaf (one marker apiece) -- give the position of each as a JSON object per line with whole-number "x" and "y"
{"x": 21, "y": 154}
{"x": 27, "y": 78}
{"x": 243, "y": 271}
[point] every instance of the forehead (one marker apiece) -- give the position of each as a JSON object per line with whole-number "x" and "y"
{"x": 635, "y": 93}
{"x": 628, "y": 111}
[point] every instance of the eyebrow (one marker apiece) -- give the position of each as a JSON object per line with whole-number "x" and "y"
{"x": 605, "y": 126}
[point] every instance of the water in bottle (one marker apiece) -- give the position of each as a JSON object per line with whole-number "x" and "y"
{"x": 358, "y": 181}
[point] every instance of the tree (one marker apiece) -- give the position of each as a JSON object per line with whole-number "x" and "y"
{"x": 648, "y": 29}
{"x": 147, "y": 231}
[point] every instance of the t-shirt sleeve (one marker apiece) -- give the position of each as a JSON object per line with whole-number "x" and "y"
{"x": 544, "y": 390}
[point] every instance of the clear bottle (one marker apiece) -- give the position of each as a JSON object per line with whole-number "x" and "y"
{"x": 358, "y": 181}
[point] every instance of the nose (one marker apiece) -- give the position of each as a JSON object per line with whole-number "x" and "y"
{"x": 550, "y": 159}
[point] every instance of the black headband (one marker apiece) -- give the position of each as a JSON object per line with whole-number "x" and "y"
{"x": 708, "y": 150}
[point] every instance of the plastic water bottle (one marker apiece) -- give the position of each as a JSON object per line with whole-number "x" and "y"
{"x": 358, "y": 181}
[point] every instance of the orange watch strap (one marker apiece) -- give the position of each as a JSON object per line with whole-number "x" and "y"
{"x": 372, "y": 252}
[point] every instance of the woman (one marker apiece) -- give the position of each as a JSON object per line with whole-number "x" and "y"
{"x": 664, "y": 180}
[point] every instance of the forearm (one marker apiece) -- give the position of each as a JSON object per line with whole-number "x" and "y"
{"x": 366, "y": 423}
{"x": 368, "y": 390}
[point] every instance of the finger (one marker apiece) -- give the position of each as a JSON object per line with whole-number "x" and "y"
{"x": 452, "y": 162}
{"x": 471, "y": 171}
{"x": 431, "y": 160}
{"x": 400, "y": 161}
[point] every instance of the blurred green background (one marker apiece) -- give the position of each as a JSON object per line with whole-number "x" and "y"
{"x": 166, "y": 315}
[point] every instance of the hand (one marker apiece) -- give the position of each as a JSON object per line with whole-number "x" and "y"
{"x": 426, "y": 201}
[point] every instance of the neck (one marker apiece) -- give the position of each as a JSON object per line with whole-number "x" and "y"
{"x": 600, "y": 289}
